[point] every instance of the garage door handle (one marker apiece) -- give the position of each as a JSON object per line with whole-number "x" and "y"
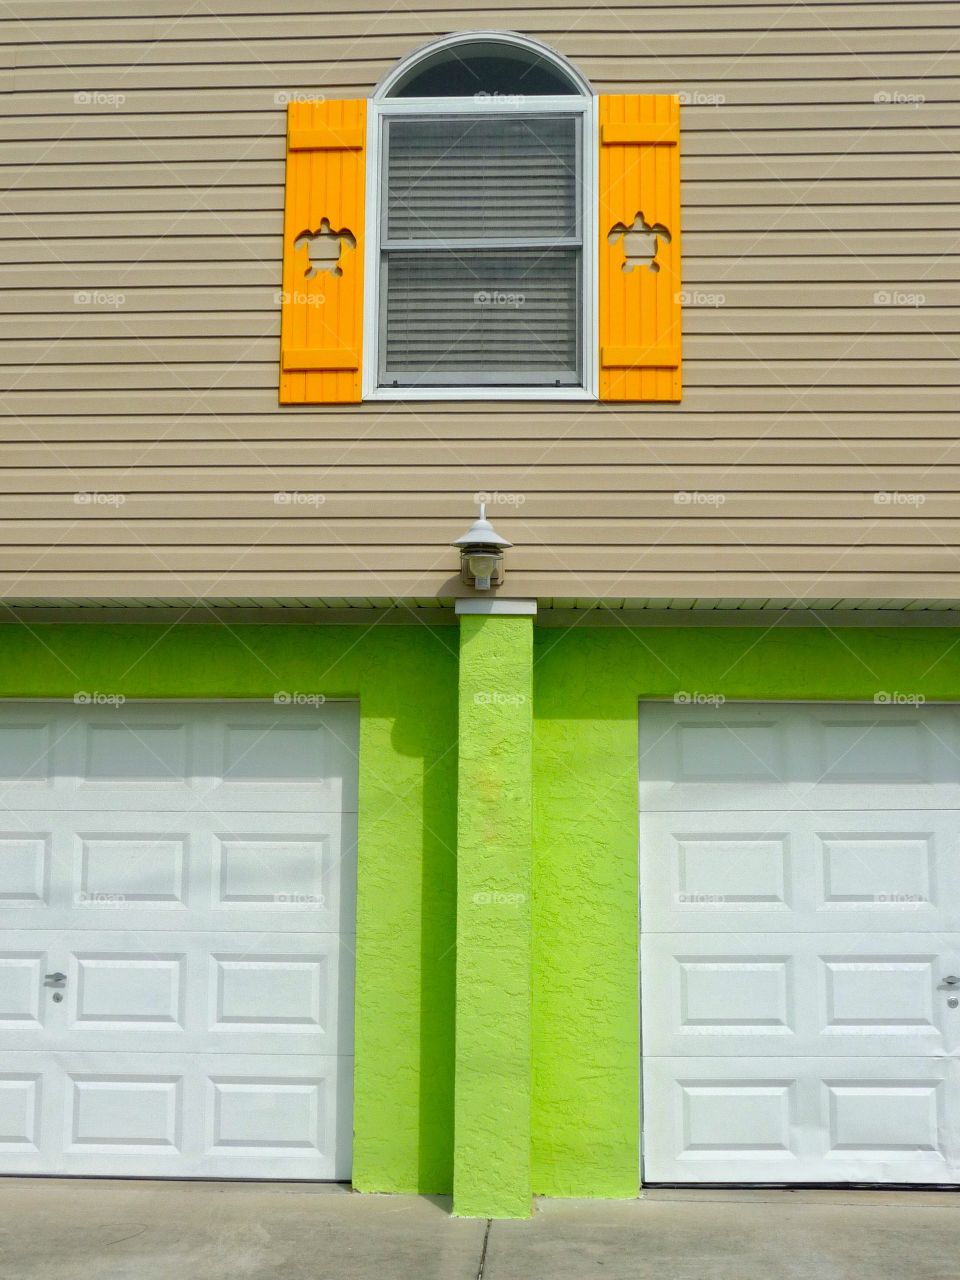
{"x": 951, "y": 980}
{"x": 56, "y": 978}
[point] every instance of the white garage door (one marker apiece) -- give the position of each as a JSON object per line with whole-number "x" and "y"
{"x": 177, "y": 917}
{"x": 800, "y": 917}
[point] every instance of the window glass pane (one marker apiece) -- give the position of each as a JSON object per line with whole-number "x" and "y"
{"x": 490, "y": 316}
{"x": 461, "y": 73}
{"x": 473, "y": 178}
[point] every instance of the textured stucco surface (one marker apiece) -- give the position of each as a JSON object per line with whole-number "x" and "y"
{"x": 585, "y": 1122}
{"x": 493, "y": 1078}
{"x": 405, "y": 679}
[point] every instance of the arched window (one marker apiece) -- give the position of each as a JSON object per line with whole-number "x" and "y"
{"x": 494, "y": 63}
{"x": 481, "y": 207}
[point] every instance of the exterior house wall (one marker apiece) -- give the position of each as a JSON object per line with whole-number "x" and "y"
{"x": 143, "y": 447}
{"x": 573, "y": 1031}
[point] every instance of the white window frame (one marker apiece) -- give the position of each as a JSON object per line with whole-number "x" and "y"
{"x": 380, "y": 109}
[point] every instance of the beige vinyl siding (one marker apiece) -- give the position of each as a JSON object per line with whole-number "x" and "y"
{"x": 142, "y": 450}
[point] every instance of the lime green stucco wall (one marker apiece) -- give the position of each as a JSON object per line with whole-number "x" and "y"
{"x": 405, "y": 678}
{"x": 546, "y": 1051}
{"x": 587, "y": 682}
{"x": 492, "y": 1128}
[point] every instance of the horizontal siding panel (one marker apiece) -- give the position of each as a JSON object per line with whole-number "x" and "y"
{"x": 612, "y": 535}
{"x": 136, "y": 250}
{"x": 106, "y": 9}
{"x": 623, "y": 424}
{"x": 172, "y": 503}
{"x": 529, "y": 558}
{"x": 474, "y": 454}
{"x": 760, "y": 585}
{"x": 177, "y": 197}
{"x": 625, "y": 478}
{"x": 912, "y": 401}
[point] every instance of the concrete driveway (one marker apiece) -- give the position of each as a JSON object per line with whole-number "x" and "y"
{"x": 87, "y": 1230}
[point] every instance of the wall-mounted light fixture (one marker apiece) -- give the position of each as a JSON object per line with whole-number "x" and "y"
{"x": 481, "y": 554}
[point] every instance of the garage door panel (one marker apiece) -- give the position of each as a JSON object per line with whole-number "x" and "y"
{"x": 161, "y": 756}
{"x": 809, "y": 995}
{"x": 174, "y": 870}
{"x": 176, "y": 1115}
{"x": 172, "y": 992}
{"x": 801, "y": 870}
{"x": 29, "y": 1125}
{"x": 698, "y": 758}
{"x": 177, "y": 918}
{"x": 800, "y": 1120}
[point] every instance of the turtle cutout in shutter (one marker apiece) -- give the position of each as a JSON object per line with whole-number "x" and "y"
{"x": 641, "y": 242}
{"x": 324, "y": 248}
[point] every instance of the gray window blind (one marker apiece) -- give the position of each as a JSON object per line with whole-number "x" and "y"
{"x": 481, "y": 251}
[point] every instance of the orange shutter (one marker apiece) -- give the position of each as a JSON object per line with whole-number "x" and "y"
{"x": 639, "y": 247}
{"x": 321, "y": 329}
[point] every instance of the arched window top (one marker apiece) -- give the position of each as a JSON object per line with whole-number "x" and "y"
{"x": 483, "y": 62}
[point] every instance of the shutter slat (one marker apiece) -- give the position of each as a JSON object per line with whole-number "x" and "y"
{"x": 322, "y": 313}
{"x": 640, "y": 355}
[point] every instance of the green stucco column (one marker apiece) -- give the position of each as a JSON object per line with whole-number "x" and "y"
{"x": 492, "y": 1092}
